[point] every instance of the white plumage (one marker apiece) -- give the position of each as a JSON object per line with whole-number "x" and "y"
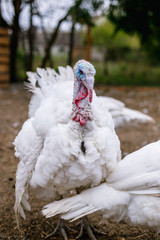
{"x": 51, "y": 143}
{"x": 123, "y": 116}
{"x": 60, "y": 151}
{"x": 131, "y": 192}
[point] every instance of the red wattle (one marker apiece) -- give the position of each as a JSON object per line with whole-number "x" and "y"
{"x": 90, "y": 95}
{"x": 83, "y": 93}
{"x": 76, "y": 118}
{"x": 83, "y": 121}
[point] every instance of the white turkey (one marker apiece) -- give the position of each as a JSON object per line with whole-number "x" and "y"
{"x": 131, "y": 192}
{"x": 66, "y": 143}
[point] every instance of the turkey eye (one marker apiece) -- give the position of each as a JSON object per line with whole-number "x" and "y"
{"x": 82, "y": 75}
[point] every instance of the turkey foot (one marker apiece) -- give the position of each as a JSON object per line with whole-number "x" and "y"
{"x": 61, "y": 227}
{"x": 89, "y": 229}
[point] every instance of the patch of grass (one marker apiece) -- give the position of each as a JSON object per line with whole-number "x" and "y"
{"x": 21, "y": 74}
{"x": 128, "y": 74}
{"x": 135, "y": 72}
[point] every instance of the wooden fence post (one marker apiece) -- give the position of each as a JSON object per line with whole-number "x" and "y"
{"x": 4, "y": 57}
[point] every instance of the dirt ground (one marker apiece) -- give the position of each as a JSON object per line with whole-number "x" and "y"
{"x": 13, "y": 112}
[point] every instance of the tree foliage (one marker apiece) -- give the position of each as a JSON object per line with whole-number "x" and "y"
{"x": 110, "y": 39}
{"x": 81, "y": 12}
{"x": 141, "y": 16}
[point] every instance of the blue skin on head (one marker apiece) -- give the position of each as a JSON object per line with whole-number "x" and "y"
{"x": 80, "y": 74}
{"x": 81, "y": 70}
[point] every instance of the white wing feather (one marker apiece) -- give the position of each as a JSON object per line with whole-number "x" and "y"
{"x": 122, "y": 115}
{"x": 27, "y": 147}
{"x": 131, "y": 192}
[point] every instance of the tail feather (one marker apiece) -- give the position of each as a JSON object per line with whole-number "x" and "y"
{"x": 43, "y": 84}
{"x": 122, "y": 115}
{"x": 60, "y": 207}
{"x": 46, "y": 77}
{"x": 66, "y": 73}
{"x": 89, "y": 201}
{"x": 69, "y": 209}
{"x": 84, "y": 211}
{"x": 130, "y": 117}
{"x": 112, "y": 204}
{"x": 31, "y": 84}
{"x": 137, "y": 115}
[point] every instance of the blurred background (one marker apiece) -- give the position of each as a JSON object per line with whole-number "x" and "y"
{"x": 120, "y": 37}
{"x": 122, "y": 40}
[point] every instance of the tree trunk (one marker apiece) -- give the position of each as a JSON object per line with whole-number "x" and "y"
{"x": 31, "y": 38}
{"x": 14, "y": 40}
{"x": 88, "y": 47}
{"x": 71, "y": 44}
{"x": 3, "y": 22}
{"x": 52, "y": 40}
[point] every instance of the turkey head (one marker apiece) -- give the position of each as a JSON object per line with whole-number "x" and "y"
{"x": 83, "y": 90}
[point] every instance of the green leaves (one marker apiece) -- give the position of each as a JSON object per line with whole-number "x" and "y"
{"x": 82, "y": 11}
{"x": 140, "y": 16}
{"x": 108, "y": 37}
